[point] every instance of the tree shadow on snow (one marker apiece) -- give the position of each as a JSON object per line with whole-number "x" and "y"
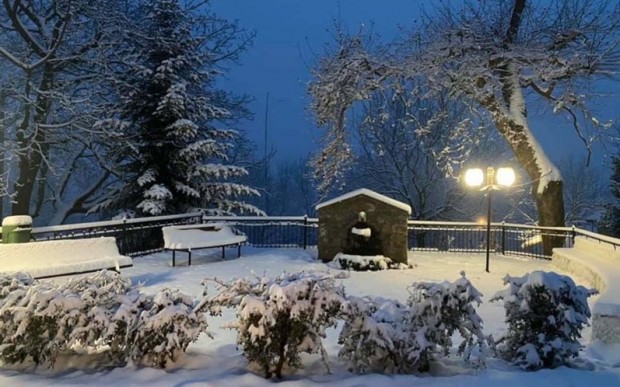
{"x": 152, "y": 278}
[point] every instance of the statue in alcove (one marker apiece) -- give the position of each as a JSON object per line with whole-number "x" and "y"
{"x": 362, "y": 238}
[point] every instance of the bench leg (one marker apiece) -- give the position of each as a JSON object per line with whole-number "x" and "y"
{"x": 238, "y": 250}
{"x": 173, "y": 258}
{"x": 223, "y": 252}
{"x": 189, "y": 257}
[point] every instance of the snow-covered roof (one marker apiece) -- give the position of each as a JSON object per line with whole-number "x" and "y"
{"x": 369, "y": 193}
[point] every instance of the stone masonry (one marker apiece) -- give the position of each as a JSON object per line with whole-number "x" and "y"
{"x": 386, "y": 216}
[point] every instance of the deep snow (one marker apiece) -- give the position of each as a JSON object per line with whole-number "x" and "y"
{"x": 216, "y": 362}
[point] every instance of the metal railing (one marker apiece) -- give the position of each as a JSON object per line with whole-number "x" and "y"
{"x": 143, "y": 235}
{"x": 274, "y": 231}
{"x": 467, "y": 237}
{"x": 134, "y": 237}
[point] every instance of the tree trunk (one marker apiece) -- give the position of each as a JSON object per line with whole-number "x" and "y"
{"x": 32, "y": 145}
{"x": 2, "y": 129}
{"x": 550, "y": 206}
{"x": 549, "y": 199}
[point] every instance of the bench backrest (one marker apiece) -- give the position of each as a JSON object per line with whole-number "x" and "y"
{"x": 195, "y": 237}
{"x": 55, "y": 257}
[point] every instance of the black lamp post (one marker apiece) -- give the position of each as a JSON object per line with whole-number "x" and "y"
{"x": 474, "y": 177}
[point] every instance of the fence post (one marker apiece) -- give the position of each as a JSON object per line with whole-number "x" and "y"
{"x": 124, "y": 239}
{"x": 573, "y": 233}
{"x": 503, "y": 237}
{"x": 305, "y": 231}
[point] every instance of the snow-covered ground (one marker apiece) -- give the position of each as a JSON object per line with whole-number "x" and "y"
{"x": 217, "y": 362}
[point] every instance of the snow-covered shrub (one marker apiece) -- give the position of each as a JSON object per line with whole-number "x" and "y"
{"x": 101, "y": 295}
{"x": 441, "y": 309}
{"x": 365, "y": 262}
{"x": 385, "y": 336}
{"x": 166, "y": 325}
{"x": 146, "y": 329}
{"x": 36, "y": 319}
{"x": 362, "y": 263}
{"x": 545, "y": 313}
{"x": 278, "y": 319}
{"x": 374, "y": 338}
{"x": 39, "y": 320}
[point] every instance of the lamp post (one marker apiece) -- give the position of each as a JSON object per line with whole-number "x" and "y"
{"x": 504, "y": 177}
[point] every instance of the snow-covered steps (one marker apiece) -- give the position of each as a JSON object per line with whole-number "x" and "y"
{"x": 62, "y": 257}
{"x": 598, "y": 264}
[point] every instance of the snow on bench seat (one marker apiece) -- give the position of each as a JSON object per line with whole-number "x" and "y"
{"x": 62, "y": 257}
{"x": 200, "y": 236}
{"x": 597, "y": 263}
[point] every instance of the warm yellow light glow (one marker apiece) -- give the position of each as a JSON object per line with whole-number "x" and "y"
{"x": 505, "y": 177}
{"x": 474, "y": 177}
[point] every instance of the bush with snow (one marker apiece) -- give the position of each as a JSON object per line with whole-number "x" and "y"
{"x": 374, "y": 337}
{"x": 365, "y": 262}
{"x": 156, "y": 328}
{"x": 278, "y": 319}
{"x": 386, "y": 336}
{"x": 545, "y": 313}
{"x": 103, "y": 312}
{"x": 35, "y": 319}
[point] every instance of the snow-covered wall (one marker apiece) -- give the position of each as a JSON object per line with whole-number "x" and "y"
{"x": 598, "y": 264}
{"x": 386, "y": 220}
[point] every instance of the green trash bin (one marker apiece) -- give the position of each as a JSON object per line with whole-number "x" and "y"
{"x": 16, "y": 229}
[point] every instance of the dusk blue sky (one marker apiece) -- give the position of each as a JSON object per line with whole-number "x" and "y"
{"x": 290, "y": 35}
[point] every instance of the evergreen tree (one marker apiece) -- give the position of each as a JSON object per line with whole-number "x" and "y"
{"x": 610, "y": 224}
{"x": 173, "y": 154}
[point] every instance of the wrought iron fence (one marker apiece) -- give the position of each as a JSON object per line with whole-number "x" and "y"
{"x": 133, "y": 236}
{"x": 505, "y": 238}
{"x": 143, "y": 235}
{"x": 274, "y": 231}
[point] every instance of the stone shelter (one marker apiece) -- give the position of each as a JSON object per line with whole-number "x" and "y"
{"x": 363, "y": 222}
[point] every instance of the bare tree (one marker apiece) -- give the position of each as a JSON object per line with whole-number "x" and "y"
{"x": 293, "y": 190}
{"x": 491, "y": 54}
{"x": 55, "y": 52}
{"x": 410, "y": 146}
{"x": 585, "y": 192}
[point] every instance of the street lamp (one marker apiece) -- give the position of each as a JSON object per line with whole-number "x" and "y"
{"x": 504, "y": 177}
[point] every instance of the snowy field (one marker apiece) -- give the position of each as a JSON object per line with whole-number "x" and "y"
{"x": 216, "y": 362}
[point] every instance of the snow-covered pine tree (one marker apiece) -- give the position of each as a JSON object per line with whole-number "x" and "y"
{"x": 173, "y": 154}
{"x": 545, "y": 313}
{"x": 438, "y": 310}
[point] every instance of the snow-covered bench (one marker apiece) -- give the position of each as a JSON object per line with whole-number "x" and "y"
{"x": 54, "y": 258}
{"x": 200, "y": 236}
{"x": 597, "y": 263}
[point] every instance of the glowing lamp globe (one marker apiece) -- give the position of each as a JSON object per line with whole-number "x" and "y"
{"x": 474, "y": 177}
{"x": 505, "y": 177}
